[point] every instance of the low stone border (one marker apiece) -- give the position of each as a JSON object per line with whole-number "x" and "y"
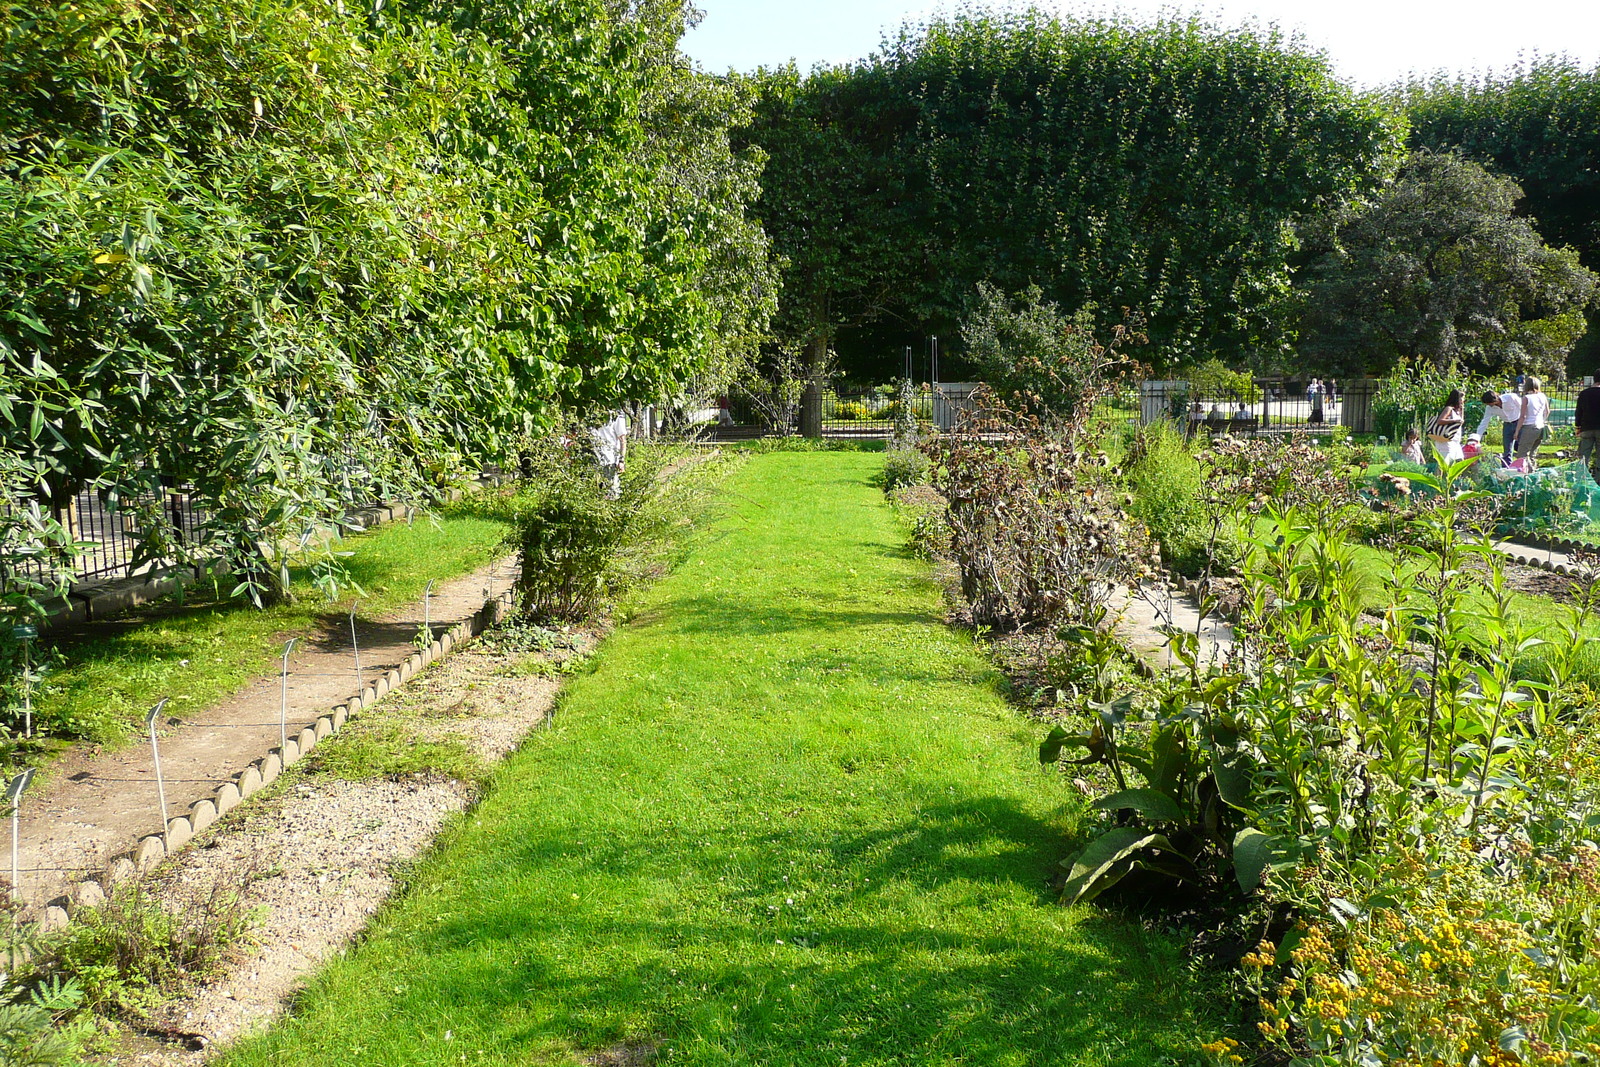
{"x": 154, "y": 848}
{"x": 1546, "y": 564}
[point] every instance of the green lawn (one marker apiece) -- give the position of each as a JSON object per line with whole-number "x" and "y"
{"x": 788, "y": 819}
{"x": 202, "y": 648}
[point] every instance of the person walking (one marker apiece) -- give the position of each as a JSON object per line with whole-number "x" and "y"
{"x": 1586, "y": 419}
{"x": 610, "y": 441}
{"x": 1445, "y": 430}
{"x": 1507, "y": 407}
{"x": 1535, "y": 419}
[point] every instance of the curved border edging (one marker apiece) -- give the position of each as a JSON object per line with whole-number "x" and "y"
{"x": 152, "y": 849}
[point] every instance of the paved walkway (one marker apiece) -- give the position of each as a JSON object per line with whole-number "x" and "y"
{"x": 1147, "y": 616}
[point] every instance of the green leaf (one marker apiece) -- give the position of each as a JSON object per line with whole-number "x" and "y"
{"x": 1150, "y": 803}
{"x": 1252, "y": 854}
{"x": 1232, "y": 769}
{"x": 1109, "y": 858}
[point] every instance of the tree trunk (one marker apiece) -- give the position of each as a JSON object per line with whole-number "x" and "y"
{"x": 811, "y": 398}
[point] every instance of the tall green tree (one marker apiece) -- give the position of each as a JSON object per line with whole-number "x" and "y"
{"x": 1159, "y": 167}
{"x": 293, "y": 254}
{"x": 836, "y": 199}
{"x": 1536, "y": 123}
{"x": 1439, "y": 267}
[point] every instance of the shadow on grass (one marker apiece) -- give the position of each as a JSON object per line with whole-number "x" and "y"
{"x": 860, "y": 974}
{"x": 737, "y": 617}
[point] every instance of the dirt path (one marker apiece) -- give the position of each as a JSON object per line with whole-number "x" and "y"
{"x": 96, "y": 806}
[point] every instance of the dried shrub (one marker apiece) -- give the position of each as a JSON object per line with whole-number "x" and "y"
{"x": 1037, "y": 529}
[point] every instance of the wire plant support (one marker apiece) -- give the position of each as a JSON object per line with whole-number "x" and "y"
{"x": 155, "y": 756}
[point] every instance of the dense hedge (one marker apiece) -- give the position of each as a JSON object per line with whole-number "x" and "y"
{"x": 293, "y": 254}
{"x": 1158, "y": 167}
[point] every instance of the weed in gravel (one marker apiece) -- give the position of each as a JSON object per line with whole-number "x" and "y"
{"x": 384, "y": 747}
{"x": 131, "y": 952}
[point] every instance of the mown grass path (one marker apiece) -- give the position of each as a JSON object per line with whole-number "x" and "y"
{"x": 786, "y": 820}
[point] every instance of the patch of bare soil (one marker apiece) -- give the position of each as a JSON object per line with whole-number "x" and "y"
{"x": 325, "y": 848}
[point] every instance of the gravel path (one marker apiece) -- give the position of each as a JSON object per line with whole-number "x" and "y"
{"x": 318, "y": 852}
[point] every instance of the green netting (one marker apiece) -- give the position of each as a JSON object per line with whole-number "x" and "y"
{"x": 1564, "y": 497}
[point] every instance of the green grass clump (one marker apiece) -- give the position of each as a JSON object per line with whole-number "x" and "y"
{"x": 203, "y": 647}
{"x": 1168, "y": 486}
{"x": 383, "y": 747}
{"x": 787, "y": 819}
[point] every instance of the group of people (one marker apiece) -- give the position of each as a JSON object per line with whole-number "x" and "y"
{"x": 1524, "y": 414}
{"x": 1198, "y": 413}
{"x": 1316, "y": 392}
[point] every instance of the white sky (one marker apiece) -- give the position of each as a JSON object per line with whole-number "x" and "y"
{"x": 1370, "y": 42}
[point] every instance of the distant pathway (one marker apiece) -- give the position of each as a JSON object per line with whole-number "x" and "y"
{"x": 787, "y": 820}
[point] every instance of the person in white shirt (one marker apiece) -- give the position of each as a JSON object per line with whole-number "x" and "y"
{"x": 1507, "y": 406}
{"x": 1535, "y": 417}
{"x": 611, "y": 451}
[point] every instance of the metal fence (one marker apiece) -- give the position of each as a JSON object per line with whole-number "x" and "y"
{"x": 108, "y": 539}
{"x": 1278, "y": 405}
{"x": 860, "y": 413}
{"x": 870, "y": 413}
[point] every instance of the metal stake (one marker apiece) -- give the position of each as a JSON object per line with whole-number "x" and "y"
{"x": 283, "y": 699}
{"x": 155, "y": 756}
{"x": 28, "y": 633}
{"x": 427, "y": 618}
{"x": 14, "y": 799}
{"x": 354, "y": 645}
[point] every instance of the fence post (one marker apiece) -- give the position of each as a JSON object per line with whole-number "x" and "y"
{"x": 1155, "y": 399}
{"x": 1355, "y": 404}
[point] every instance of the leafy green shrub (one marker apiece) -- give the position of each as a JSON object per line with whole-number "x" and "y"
{"x": 577, "y": 548}
{"x": 365, "y": 336}
{"x": 1410, "y": 818}
{"x": 1040, "y": 359}
{"x": 37, "y": 1008}
{"x": 1168, "y": 489}
{"x": 903, "y": 467}
{"x": 568, "y": 538}
{"x": 1212, "y": 380}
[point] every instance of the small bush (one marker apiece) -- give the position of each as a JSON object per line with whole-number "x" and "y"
{"x": 902, "y": 468}
{"x": 1167, "y": 487}
{"x": 579, "y": 549}
{"x": 1034, "y": 529}
{"x": 568, "y": 539}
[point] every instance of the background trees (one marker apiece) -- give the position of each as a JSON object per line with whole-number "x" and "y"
{"x": 1538, "y": 124}
{"x": 1158, "y": 167}
{"x": 293, "y": 255}
{"x": 1438, "y": 267}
